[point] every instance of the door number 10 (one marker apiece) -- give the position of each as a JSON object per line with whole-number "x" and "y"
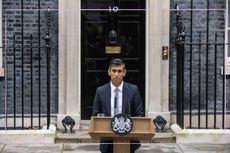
{"x": 114, "y": 9}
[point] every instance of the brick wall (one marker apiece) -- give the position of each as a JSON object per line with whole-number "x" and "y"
{"x": 29, "y": 79}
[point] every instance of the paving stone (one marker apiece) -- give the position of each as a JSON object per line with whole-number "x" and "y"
{"x": 1, "y": 147}
{"x": 33, "y": 148}
{"x": 205, "y": 148}
{"x": 81, "y": 148}
{"x": 159, "y": 148}
{"x": 145, "y": 148}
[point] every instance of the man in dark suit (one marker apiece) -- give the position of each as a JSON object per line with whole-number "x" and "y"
{"x": 128, "y": 100}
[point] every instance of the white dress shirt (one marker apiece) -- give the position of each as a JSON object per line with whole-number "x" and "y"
{"x": 119, "y": 100}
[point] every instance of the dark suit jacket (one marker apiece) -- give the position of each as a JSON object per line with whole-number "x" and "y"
{"x": 131, "y": 105}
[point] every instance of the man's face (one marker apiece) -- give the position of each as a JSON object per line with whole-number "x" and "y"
{"x": 116, "y": 73}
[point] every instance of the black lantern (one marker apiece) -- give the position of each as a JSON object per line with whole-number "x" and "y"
{"x": 160, "y": 123}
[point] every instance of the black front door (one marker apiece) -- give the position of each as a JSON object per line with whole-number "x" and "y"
{"x": 110, "y": 23}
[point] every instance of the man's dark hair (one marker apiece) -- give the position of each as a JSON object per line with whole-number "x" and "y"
{"x": 116, "y": 61}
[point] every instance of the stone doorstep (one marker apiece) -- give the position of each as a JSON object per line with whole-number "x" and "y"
{"x": 202, "y": 136}
{"x": 83, "y": 137}
{"x": 42, "y": 136}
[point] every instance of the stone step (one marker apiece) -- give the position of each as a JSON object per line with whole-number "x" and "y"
{"x": 82, "y": 136}
{"x": 84, "y": 125}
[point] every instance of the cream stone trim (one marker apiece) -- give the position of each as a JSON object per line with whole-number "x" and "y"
{"x": 157, "y": 70}
{"x": 79, "y": 60}
{"x": 147, "y": 14}
{"x": 165, "y": 63}
{"x": 69, "y": 66}
{"x": 62, "y": 57}
{"x": 2, "y": 72}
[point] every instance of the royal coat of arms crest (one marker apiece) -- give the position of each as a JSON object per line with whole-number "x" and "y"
{"x": 121, "y": 124}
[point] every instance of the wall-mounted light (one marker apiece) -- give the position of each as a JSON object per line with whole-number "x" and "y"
{"x": 160, "y": 123}
{"x": 68, "y": 121}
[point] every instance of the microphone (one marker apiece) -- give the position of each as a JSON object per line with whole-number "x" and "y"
{"x": 129, "y": 109}
{"x": 115, "y": 106}
{"x": 115, "y": 101}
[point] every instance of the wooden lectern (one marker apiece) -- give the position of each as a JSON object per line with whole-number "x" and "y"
{"x": 100, "y": 128}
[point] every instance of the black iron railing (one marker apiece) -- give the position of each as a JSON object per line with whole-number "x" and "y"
{"x": 27, "y": 60}
{"x": 180, "y": 40}
{"x": 206, "y": 95}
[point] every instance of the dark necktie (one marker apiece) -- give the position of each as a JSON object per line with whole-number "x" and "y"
{"x": 116, "y": 101}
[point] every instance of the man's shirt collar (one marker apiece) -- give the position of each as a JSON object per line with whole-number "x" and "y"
{"x": 119, "y": 87}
